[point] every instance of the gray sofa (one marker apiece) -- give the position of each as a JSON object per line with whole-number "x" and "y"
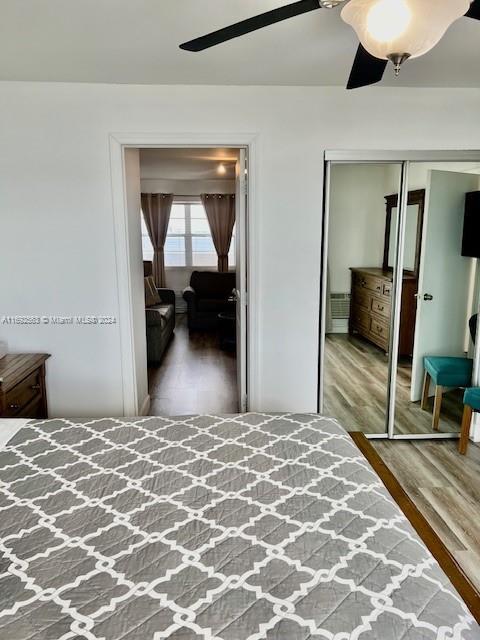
{"x": 160, "y": 321}
{"x": 206, "y": 297}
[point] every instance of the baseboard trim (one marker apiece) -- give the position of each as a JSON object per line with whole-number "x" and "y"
{"x": 456, "y": 575}
{"x": 145, "y": 408}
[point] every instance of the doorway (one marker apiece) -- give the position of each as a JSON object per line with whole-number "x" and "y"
{"x": 397, "y": 290}
{"x": 231, "y": 345}
{"x": 192, "y": 351}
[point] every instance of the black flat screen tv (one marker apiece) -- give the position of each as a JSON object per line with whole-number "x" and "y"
{"x": 471, "y": 226}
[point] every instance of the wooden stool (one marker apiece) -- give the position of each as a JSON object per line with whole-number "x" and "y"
{"x": 471, "y": 401}
{"x": 444, "y": 371}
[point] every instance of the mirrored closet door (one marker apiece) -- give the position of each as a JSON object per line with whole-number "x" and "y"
{"x": 400, "y": 294}
{"x": 359, "y": 288}
{"x": 437, "y": 366}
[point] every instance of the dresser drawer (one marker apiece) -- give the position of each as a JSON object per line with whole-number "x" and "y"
{"x": 22, "y": 394}
{"x": 361, "y": 298}
{"x": 379, "y": 329}
{"x": 381, "y": 307}
{"x": 369, "y": 282}
{"x": 361, "y": 319}
{"x": 387, "y": 289}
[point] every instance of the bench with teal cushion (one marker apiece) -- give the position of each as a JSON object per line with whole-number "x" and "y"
{"x": 471, "y": 400}
{"x": 444, "y": 371}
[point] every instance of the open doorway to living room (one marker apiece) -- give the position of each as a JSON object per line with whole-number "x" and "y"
{"x": 191, "y": 201}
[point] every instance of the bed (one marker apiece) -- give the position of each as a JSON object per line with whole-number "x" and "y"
{"x": 244, "y": 527}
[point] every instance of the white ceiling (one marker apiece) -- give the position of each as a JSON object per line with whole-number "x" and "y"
{"x": 136, "y": 41}
{"x": 187, "y": 164}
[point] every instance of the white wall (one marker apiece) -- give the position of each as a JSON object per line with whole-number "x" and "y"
{"x": 357, "y": 220}
{"x": 56, "y": 238}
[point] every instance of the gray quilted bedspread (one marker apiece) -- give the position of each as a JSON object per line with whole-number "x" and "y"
{"x": 210, "y": 527}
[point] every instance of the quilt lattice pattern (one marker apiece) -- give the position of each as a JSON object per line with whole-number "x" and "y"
{"x": 243, "y": 527}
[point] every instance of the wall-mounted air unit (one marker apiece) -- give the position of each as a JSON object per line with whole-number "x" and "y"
{"x": 340, "y": 304}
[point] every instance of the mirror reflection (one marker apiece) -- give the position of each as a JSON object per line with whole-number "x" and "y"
{"x": 432, "y": 379}
{"x": 359, "y": 296}
{"x": 413, "y": 235}
{"x": 439, "y": 301}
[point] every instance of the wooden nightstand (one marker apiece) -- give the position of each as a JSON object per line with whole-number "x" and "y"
{"x": 22, "y": 386}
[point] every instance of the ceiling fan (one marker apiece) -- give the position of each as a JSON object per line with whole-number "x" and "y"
{"x": 394, "y": 30}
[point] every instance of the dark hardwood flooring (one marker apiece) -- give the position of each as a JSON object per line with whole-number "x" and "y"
{"x": 195, "y": 376}
{"x": 356, "y": 391}
{"x": 445, "y": 487}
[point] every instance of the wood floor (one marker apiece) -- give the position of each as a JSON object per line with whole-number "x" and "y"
{"x": 356, "y": 391}
{"x": 195, "y": 376}
{"x": 445, "y": 487}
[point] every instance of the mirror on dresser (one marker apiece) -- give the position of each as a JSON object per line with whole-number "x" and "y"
{"x": 413, "y": 231}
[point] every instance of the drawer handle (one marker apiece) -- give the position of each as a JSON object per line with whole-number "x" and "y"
{"x": 35, "y": 387}
{"x": 381, "y": 308}
{"x": 14, "y": 406}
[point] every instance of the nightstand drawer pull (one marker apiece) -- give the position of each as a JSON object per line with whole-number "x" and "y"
{"x": 14, "y": 406}
{"x": 35, "y": 387}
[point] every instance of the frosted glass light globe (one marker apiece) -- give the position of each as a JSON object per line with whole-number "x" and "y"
{"x": 388, "y": 20}
{"x": 396, "y": 27}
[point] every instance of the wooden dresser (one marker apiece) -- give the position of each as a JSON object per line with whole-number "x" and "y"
{"x": 371, "y": 308}
{"x": 22, "y": 386}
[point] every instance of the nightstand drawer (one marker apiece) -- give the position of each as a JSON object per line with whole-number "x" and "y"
{"x": 18, "y": 398}
{"x": 22, "y": 385}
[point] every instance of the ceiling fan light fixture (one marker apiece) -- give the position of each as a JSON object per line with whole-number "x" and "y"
{"x": 400, "y": 29}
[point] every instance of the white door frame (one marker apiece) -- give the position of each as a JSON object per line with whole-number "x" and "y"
{"x": 405, "y": 158}
{"x": 118, "y": 143}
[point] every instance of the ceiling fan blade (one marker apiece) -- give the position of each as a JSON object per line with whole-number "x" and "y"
{"x": 366, "y": 69}
{"x": 252, "y": 24}
{"x": 474, "y": 11}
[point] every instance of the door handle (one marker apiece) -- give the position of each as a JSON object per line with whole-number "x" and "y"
{"x": 427, "y": 296}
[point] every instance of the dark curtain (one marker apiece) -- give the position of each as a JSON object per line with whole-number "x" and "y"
{"x": 220, "y": 210}
{"x": 156, "y": 209}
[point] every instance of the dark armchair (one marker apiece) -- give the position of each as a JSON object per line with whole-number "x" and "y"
{"x": 160, "y": 320}
{"x": 206, "y": 297}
